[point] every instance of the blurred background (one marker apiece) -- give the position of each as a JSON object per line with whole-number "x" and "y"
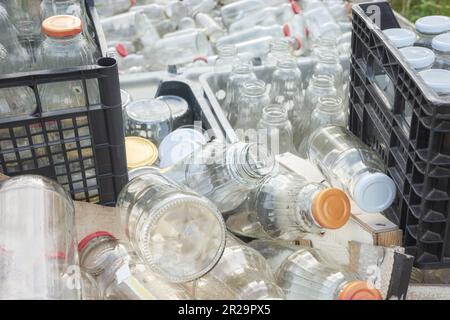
{"x": 414, "y": 9}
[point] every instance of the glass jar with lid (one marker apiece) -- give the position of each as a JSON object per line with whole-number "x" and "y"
{"x": 438, "y": 80}
{"x": 419, "y": 58}
{"x": 441, "y": 47}
{"x": 429, "y": 27}
{"x": 401, "y": 37}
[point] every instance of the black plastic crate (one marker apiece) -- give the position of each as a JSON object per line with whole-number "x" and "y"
{"x": 82, "y": 148}
{"x": 394, "y": 112}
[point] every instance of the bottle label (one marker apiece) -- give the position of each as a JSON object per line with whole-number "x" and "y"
{"x": 123, "y": 273}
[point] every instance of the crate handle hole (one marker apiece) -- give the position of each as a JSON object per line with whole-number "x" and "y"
{"x": 106, "y": 62}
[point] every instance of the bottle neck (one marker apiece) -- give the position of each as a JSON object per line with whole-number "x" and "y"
{"x": 254, "y": 88}
{"x": 242, "y": 68}
{"x": 330, "y": 105}
{"x": 322, "y": 82}
{"x": 287, "y": 64}
{"x": 275, "y": 115}
{"x": 227, "y": 52}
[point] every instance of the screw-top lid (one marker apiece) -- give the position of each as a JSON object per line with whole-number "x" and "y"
{"x": 437, "y": 79}
{"x": 401, "y": 37}
{"x": 418, "y": 57}
{"x": 441, "y": 42}
{"x": 121, "y": 50}
{"x": 359, "y": 290}
{"x": 62, "y": 26}
{"x": 374, "y": 192}
{"x": 331, "y": 208}
{"x": 140, "y": 152}
{"x": 433, "y": 24}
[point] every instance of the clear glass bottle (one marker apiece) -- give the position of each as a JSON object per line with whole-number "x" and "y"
{"x": 329, "y": 64}
{"x": 241, "y": 73}
{"x": 280, "y": 49}
{"x": 38, "y": 256}
{"x": 224, "y": 173}
{"x": 253, "y": 100}
{"x": 429, "y": 27}
{"x": 329, "y": 110}
{"x": 170, "y": 226}
{"x": 441, "y": 47}
{"x": 286, "y": 206}
{"x": 237, "y": 10}
{"x": 256, "y": 48}
{"x": 349, "y": 164}
{"x": 321, "y": 23}
{"x": 304, "y": 274}
{"x": 419, "y": 58}
{"x": 438, "y": 80}
{"x": 213, "y": 29}
{"x": 255, "y": 32}
{"x": 326, "y": 44}
{"x": 241, "y": 274}
{"x": 401, "y": 37}
{"x": 9, "y": 32}
{"x": 65, "y": 47}
{"x": 119, "y": 275}
{"x": 227, "y": 57}
{"x": 275, "y": 130}
{"x": 108, "y": 8}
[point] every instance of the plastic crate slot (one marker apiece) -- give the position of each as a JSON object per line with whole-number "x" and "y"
{"x": 437, "y": 214}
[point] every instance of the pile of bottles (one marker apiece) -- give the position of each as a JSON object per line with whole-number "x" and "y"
{"x": 46, "y": 35}
{"x": 427, "y": 50}
{"x": 147, "y": 35}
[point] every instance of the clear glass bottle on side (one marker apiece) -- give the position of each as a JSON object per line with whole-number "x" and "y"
{"x": 213, "y": 29}
{"x": 38, "y": 256}
{"x": 108, "y": 8}
{"x": 65, "y": 47}
{"x": 286, "y": 206}
{"x": 304, "y": 274}
{"x": 120, "y": 275}
{"x": 241, "y": 274}
{"x": 275, "y": 130}
{"x": 224, "y": 173}
{"x": 276, "y": 31}
{"x": 170, "y": 226}
{"x": 349, "y": 164}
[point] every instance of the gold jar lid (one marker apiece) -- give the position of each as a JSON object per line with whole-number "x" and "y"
{"x": 140, "y": 152}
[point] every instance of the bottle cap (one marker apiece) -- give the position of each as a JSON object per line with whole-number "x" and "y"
{"x": 401, "y": 37}
{"x": 331, "y": 208}
{"x": 441, "y": 42}
{"x": 359, "y": 290}
{"x": 62, "y": 26}
{"x": 121, "y": 50}
{"x": 433, "y": 24}
{"x": 374, "y": 192}
{"x": 140, "y": 152}
{"x": 418, "y": 57}
{"x": 437, "y": 79}
{"x": 286, "y": 30}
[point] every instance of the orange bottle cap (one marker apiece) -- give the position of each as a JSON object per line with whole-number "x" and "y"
{"x": 359, "y": 290}
{"x": 62, "y": 26}
{"x": 331, "y": 208}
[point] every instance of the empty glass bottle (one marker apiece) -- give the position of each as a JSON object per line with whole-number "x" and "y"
{"x": 241, "y": 274}
{"x": 326, "y": 44}
{"x": 38, "y": 256}
{"x": 65, "y": 47}
{"x": 251, "y": 103}
{"x": 241, "y": 73}
{"x": 320, "y": 85}
{"x": 349, "y": 164}
{"x": 430, "y": 27}
{"x": 287, "y": 205}
{"x": 238, "y": 10}
{"x": 119, "y": 275}
{"x": 280, "y": 49}
{"x": 227, "y": 57}
{"x": 329, "y": 64}
{"x": 275, "y": 130}
{"x": 401, "y": 37}
{"x": 441, "y": 47}
{"x": 419, "y": 58}
{"x": 225, "y": 174}
{"x": 177, "y": 233}
{"x": 107, "y": 8}
{"x": 255, "y": 48}
{"x": 276, "y": 31}
{"x": 304, "y": 274}
{"x": 213, "y": 29}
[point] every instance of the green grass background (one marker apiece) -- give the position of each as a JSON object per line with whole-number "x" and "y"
{"x": 414, "y": 9}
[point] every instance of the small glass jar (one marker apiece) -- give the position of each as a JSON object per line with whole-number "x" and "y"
{"x": 227, "y": 57}
{"x": 181, "y": 113}
{"x": 150, "y": 119}
{"x": 429, "y": 27}
{"x": 419, "y": 58}
{"x": 275, "y": 130}
{"x": 401, "y": 37}
{"x": 213, "y": 29}
{"x": 280, "y": 49}
{"x": 438, "y": 80}
{"x": 171, "y": 226}
{"x": 441, "y": 47}
{"x": 329, "y": 64}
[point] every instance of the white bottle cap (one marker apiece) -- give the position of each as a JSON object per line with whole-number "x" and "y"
{"x": 374, "y": 192}
{"x": 401, "y": 37}
{"x": 433, "y": 24}
{"x": 441, "y": 42}
{"x": 418, "y": 57}
{"x": 437, "y": 79}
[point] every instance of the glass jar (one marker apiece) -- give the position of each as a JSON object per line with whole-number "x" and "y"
{"x": 150, "y": 119}
{"x": 170, "y": 226}
{"x": 401, "y": 37}
{"x": 241, "y": 73}
{"x": 419, "y": 58}
{"x": 241, "y": 274}
{"x": 280, "y": 49}
{"x": 349, "y": 164}
{"x": 304, "y": 274}
{"x": 213, "y": 29}
{"x": 275, "y": 130}
{"x": 253, "y": 100}
{"x": 225, "y": 174}
{"x": 119, "y": 275}
{"x": 441, "y": 47}
{"x": 324, "y": 44}
{"x": 65, "y": 47}
{"x": 329, "y": 64}
{"x": 255, "y": 32}
{"x": 108, "y": 8}
{"x": 255, "y": 48}
{"x": 286, "y": 206}
{"x": 227, "y": 57}
{"x": 438, "y": 80}
{"x": 429, "y": 27}
{"x": 38, "y": 256}
{"x": 181, "y": 113}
